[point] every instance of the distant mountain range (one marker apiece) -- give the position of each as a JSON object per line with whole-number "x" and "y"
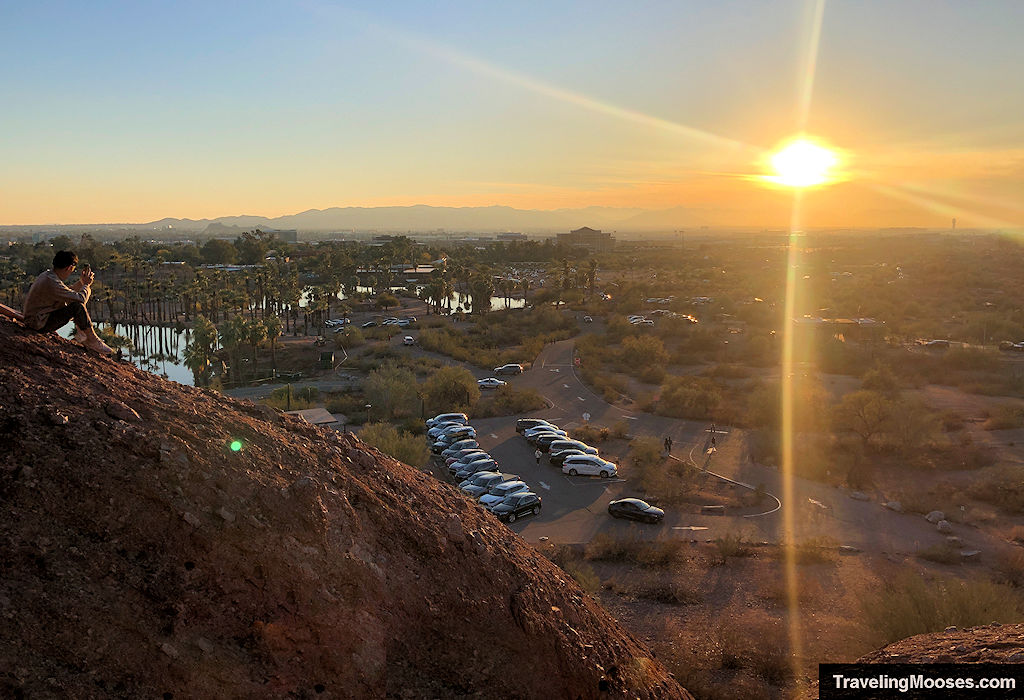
{"x": 426, "y": 219}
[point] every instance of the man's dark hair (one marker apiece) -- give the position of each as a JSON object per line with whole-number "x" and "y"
{"x": 63, "y": 259}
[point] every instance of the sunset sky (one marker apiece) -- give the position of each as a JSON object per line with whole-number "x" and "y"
{"x": 133, "y": 111}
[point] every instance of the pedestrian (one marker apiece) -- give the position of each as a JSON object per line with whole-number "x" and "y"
{"x": 536, "y": 455}
{"x": 712, "y": 440}
{"x": 668, "y": 445}
{"x": 712, "y": 428}
{"x": 50, "y": 303}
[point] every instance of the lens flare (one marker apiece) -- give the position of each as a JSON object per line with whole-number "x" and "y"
{"x": 803, "y": 163}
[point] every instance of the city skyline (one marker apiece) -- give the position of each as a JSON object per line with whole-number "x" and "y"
{"x": 130, "y": 114}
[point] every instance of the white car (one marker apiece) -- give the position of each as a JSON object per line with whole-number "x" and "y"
{"x": 409, "y": 340}
{"x": 446, "y": 417}
{"x": 496, "y": 494}
{"x": 490, "y": 383}
{"x": 589, "y": 464}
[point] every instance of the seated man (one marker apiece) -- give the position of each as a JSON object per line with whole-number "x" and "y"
{"x": 50, "y": 303}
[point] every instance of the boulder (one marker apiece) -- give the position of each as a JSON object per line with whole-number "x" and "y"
{"x": 935, "y": 516}
{"x": 944, "y": 527}
{"x": 894, "y": 506}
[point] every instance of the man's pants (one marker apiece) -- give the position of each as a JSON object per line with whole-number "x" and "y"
{"x": 75, "y": 310}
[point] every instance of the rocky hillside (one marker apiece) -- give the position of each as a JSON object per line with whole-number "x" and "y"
{"x": 995, "y": 643}
{"x": 141, "y": 557}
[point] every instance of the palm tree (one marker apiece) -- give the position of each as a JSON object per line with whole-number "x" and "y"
{"x": 232, "y": 335}
{"x": 256, "y": 333}
{"x": 591, "y": 275}
{"x": 273, "y": 326}
{"x": 199, "y": 352}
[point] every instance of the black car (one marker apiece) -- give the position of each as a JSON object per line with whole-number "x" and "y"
{"x": 510, "y": 368}
{"x": 635, "y": 509}
{"x": 544, "y": 441}
{"x": 468, "y": 470}
{"x": 517, "y": 505}
{"x": 524, "y": 424}
{"x": 558, "y": 457}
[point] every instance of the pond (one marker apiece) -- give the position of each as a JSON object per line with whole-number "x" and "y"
{"x": 156, "y": 349}
{"x": 497, "y": 303}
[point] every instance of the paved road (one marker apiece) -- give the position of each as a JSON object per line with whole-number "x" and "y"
{"x": 575, "y": 507}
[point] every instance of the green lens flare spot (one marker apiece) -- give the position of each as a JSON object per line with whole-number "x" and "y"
{"x": 236, "y": 445}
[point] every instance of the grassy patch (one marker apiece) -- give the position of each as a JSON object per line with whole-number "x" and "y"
{"x": 910, "y": 604}
{"x": 941, "y": 554}
{"x": 733, "y": 544}
{"x": 508, "y": 401}
{"x": 1001, "y": 486}
{"x": 632, "y": 549}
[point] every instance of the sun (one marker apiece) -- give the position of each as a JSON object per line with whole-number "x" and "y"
{"x": 803, "y": 163}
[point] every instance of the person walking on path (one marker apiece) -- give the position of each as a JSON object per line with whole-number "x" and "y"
{"x": 536, "y": 456}
{"x": 50, "y": 303}
{"x": 668, "y": 445}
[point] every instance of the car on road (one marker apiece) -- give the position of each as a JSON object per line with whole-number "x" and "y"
{"x": 490, "y": 383}
{"x": 635, "y": 509}
{"x": 589, "y": 464}
{"x": 517, "y": 506}
{"x": 510, "y": 368}
{"x": 368, "y": 324}
{"x": 484, "y": 465}
{"x": 559, "y": 445}
{"x": 477, "y": 485}
{"x": 497, "y": 493}
{"x": 941, "y": 344}
{"x": 446, "y": 417}
{"x": 588, "y": 319}
{"x": 337, "y": 322}
{"x": 408, "y": 340}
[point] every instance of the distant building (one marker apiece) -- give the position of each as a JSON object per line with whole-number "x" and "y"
{"x": 289, "y": 236}
{"x": 511, "y": 237}
{"x": 594, "y": 240}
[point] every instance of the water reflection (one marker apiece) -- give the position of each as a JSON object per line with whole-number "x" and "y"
{"x": 155, "y": 349}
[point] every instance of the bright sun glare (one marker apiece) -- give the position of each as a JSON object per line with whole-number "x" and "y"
{"x": 803, "y": 163}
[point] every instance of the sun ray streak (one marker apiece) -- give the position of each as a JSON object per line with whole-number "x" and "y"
{"x": 481, "y": 67}
{"x": 787, "y": 438}
{"x": 810, "y": 65}
{"x": 900, "y": 193}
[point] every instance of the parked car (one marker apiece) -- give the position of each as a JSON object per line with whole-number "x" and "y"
{"x": 588, "y": 319}
{"x": 468, "y": 443}
{"x": 410, "y": 319}
{"x": 476, "y": 485}
{"x": 445, "y": 417}
{"x": 510, "y": 368}
{"x": 448, "y": 439}
{"x": 557, "y": 458}
{"x": 559, "y": 445}
{"x": 368, "y": 324}
{"x": 536, "y": 430}
{"x": 409, "y": 340}
{"x": 497, "y": 493}
{"x": 490, "y": 383}
{"x": 543, "y": 442}
{"x": 524, "y": 424}
{"x": 484, "y": 465}
{"x": 942, "y": 344}
{"x": 517, "y": 506}
{"x": 635, "y": 509}
{"x": 457, "y": 457}
{"x": 439, "y": 428}
{"x": 589, "y": 464}
{"x": 454, "y": 429}
{"x": 466, "y": 459}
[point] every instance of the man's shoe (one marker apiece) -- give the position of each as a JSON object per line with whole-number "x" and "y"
{"x": 97, "y": 345}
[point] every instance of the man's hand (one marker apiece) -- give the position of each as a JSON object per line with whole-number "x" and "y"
{"x": 87, "y": 277}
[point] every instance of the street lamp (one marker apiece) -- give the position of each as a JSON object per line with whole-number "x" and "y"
{"x": 368, "y": 407}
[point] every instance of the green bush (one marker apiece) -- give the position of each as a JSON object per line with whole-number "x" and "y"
{"x": 403, "y": 446}
{"x": 301, "y": 398}
{"x": 508, "y": 401}
{"x": 733, "y": 544}
{"x": 689, "y": 397}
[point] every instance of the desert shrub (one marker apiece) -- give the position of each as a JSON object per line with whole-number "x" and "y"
{"x": 630, "y": 548}
{"x": 728, "y": 371}
{"x": 951, "y": 421}
{"x": 689, "y": 397}
{"x": 572, "y": 563}
{"x": 393, "y": 391}
{"x": 669, "y": 593}
{"x": 451, "y": 389}
{"x": 1005, "y": 418}
{"x": 643, "y": 351}
{"x": 817, "y": 550}
{"x": 944, "y": 553}
{"x": 651, "y": 374}
{"x": 403, "y": 446}
{"x": 351, "y": 338}
{"x": 508, "y": 401}
{"x": 620, "y": 430}
{"x": 591, "y": 434}
{"x": 910, "y": 604}
{"x": 1000, "y": 486}
{"x": 1009, "y": 568}
{"x": 733, "y": 544}
{"x": 346, "y": 403}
